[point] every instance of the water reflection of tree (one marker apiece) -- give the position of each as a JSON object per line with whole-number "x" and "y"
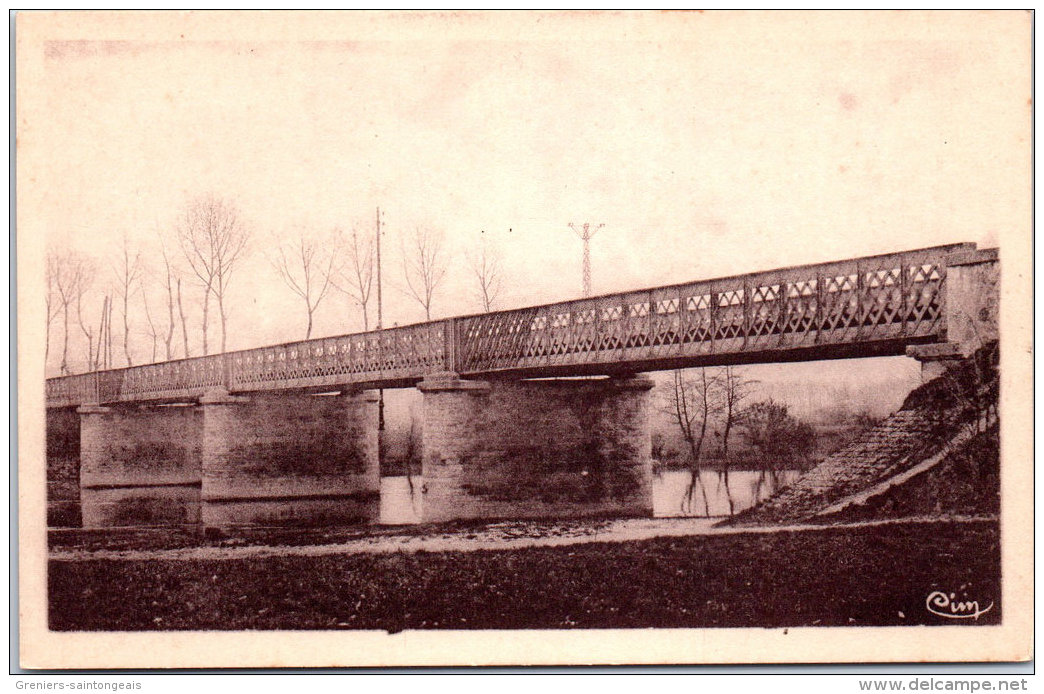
{"x": 723, "y": 480}
{"x": 689, "y": 497}
{"x": 768, "y": 477}
{"x": 412, "y": 457}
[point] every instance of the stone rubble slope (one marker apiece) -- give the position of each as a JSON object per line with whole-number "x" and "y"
{"x": 932, "y": 415}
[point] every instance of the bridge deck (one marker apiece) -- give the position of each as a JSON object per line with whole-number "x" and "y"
{"x": 866, "y": 306}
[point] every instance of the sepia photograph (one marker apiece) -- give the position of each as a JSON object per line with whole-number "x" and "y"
{"x": 523, "y": 338}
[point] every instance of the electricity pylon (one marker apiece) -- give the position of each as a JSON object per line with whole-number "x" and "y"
{"x": 586, "y": 233}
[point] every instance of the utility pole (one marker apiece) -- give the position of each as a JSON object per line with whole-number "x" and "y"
{"x": 586, "y": 233}
{"x": 380, "y": 323}
{"x": 380, "y": 326}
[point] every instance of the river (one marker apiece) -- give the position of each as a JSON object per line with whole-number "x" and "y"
{"x": 674, "y": 495}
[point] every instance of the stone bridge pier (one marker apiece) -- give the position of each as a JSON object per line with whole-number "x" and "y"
{"x": 139, "y": 465}
{"x": 320, "y": 452}
{"x": 139, "y": 446}
{"x": 536, "y": 448}
{"x": 247, "y": 456}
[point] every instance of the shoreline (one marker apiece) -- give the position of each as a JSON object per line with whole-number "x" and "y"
{"x": 489, "y": 537}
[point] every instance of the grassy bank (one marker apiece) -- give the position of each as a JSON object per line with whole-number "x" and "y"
{"x": 834, "y": 576}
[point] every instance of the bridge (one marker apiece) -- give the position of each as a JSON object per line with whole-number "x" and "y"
{"x": 869, "y": 306}
{"x": 475, "y": 372}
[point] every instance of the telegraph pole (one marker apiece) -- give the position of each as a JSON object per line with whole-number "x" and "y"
{"x": 586, "y": 233}
{"x": 380, "y": 326}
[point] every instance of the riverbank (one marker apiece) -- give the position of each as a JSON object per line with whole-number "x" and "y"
{"x": 179, "y": 545}
{"x": 840, "y": 575}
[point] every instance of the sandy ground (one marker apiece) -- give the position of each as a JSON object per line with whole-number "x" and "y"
{"x": 495, "y": 536}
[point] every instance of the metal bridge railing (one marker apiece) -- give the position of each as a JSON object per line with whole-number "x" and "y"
{"x": 876, "y": 298}
{"x": 861, "y": 300}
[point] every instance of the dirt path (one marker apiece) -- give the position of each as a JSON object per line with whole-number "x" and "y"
{"x": 498, "y": 536}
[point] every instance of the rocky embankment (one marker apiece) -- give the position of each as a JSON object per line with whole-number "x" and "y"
{"x": 938, "y": 454}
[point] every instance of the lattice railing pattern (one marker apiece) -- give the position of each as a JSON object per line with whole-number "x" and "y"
{"x": 856, "y": 301}
{"x": 863, "y": 300}
{"x": 393, "y": 354}
{"x": 396, "y": 353}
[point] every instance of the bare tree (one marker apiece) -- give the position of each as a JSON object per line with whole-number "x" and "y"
{"x": 69, "y": 275}
{"x": 151, "y": 330}
{"x": 414, "y": 447}
{"x": 424, "y": 266}
{"x": 355, "y": 276}
{"x": 690, "y": 402}
{"x": 88, "y": 333}
{"x": 87, "y": 273}
{"x": 128, "y": 275}
{"x": 51, "y": 300}
{"x": 212, "y": 239}
{"x": 108, "y": 335}
{"x": 171, "y": 280}
{"x": 307, "y": 266}
{"x": 735, "y": 389}
{"x": 485, "y": 265}
{"x": 181, "y": 314}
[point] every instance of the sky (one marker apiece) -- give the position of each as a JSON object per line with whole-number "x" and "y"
{"x": 706, "y": 145}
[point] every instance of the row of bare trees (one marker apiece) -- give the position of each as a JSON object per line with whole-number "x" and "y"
{"x": 211, "y": 239}
{"x": 313, "y": 265}
{"x": 68, "y": 277}
{"x": 201, "y": 256}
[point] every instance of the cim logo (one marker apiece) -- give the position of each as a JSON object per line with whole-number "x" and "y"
{"x": 946, "y": 605}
